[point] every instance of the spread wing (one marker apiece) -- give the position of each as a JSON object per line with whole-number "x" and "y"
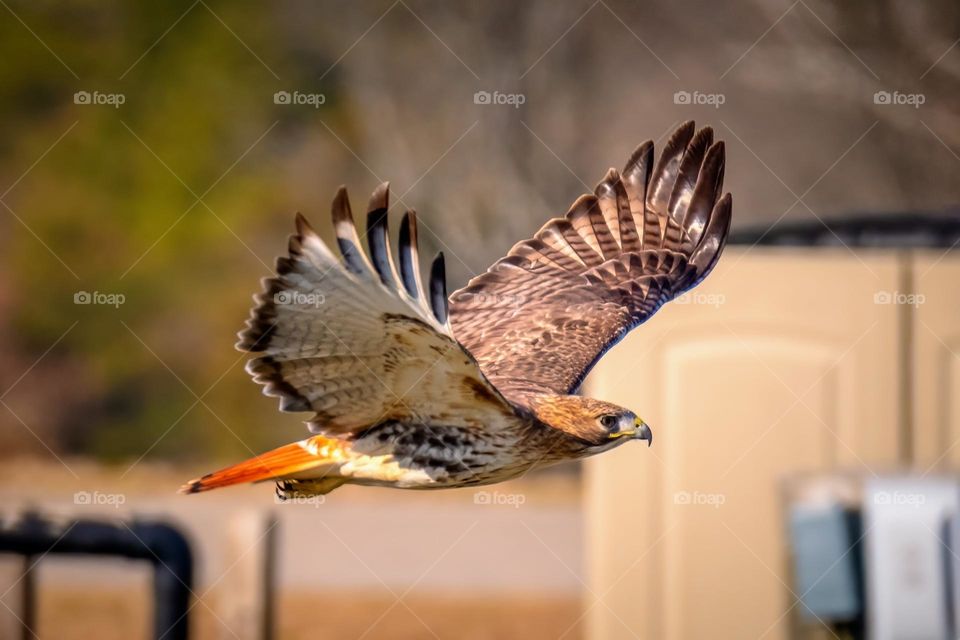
{"x": 356, "y": 341}
{"x": 539, "y": 319}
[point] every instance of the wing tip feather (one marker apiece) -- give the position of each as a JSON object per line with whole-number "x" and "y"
{"x": 303, "y": 226}
{"x": 438, "y": 289}
{"x": 380, "y": 198}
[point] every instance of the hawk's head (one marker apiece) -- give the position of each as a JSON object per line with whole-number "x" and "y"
{"x": 597, "y": 423}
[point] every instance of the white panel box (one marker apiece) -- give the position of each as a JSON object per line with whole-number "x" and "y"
{"x": 906, "y": 524}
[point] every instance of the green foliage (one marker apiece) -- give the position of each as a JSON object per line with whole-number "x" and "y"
{"x": 113, "y": 208}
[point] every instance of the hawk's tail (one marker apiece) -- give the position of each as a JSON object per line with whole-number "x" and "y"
{"x": 314, "y": 457}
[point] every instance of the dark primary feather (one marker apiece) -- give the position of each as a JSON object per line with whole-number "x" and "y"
{"x": 410, "y": 256}
{"x": 347, "y": 240}
{"x": 378, "y": 237}
{"x": 541, "y": 317}
{"x": 438, "y": 289}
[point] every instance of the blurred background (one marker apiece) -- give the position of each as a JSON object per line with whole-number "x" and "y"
{"x": 152, "y": 156}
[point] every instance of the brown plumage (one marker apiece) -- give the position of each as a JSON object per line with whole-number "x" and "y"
{"x": 411, "y": 390}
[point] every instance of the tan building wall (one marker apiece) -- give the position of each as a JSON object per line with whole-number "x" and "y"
{"x": 784, "y": 360}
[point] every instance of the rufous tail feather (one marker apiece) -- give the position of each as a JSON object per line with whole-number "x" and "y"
{"x": 287, "y": 461}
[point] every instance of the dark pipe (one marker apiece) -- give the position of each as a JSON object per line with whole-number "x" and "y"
{"x": 162, "y": 545}
{"x": 892, "y": 231}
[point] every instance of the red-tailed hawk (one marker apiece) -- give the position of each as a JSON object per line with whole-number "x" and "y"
{"x": 411, "y": 390}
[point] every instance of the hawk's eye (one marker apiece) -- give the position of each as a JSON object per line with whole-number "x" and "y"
{"x": 609, "y": 421}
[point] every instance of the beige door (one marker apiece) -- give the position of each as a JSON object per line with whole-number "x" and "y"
{"x": 783, "y": 360}
{"x": 935, "y": 317}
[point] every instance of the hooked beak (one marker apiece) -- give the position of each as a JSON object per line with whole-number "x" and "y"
{"x": 640, "y": 431}
{"x": 643, "y": 432}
